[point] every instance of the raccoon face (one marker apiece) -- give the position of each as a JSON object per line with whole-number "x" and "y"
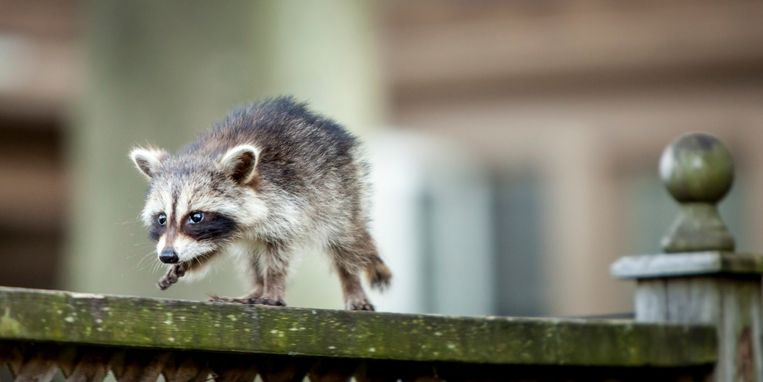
{"x": 196, "y": 205}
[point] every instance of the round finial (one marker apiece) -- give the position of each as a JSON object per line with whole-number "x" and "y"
{"x": 697, "y": 168}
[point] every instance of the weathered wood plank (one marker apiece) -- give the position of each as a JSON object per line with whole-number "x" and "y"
{"x": 705, "y": 284}
{"x": 651, "y": 301}
{"x": 690, "y": 299}
{"x": 138, "y": 322}
{"x": 732, "y": 304}
{"x": 687, "y": 264}
{"x": 740, "y": 330}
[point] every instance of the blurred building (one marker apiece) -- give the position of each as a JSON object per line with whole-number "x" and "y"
{"x": 569, "y": 104}
{"x": 40, "y": 46}
{"x": 515, "y": 143}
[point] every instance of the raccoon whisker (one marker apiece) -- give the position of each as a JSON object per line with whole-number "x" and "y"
{"x": 156, "y": 267}
{"x": 145, "y": 260}
{"x": 141, "y": 261}
{"x": 140, "y": 257}
{"x": 198, "y": 259}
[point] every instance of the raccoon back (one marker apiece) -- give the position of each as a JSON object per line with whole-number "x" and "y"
{"x": 299, "y": 149}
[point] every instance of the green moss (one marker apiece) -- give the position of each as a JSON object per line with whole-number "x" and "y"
{"x": 10, "y": 327}
{"x": 127, "y": 321}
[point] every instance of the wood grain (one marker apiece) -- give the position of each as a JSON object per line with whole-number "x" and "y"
{"x": 687, "y": 264}
{"x": 35, "y": 315}
{"x": 732, "y": 304}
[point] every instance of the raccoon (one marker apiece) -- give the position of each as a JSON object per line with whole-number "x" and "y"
{"x": 269, "y": 180}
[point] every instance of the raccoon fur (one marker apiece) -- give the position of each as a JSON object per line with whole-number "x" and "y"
{"x": 267, "y": 181}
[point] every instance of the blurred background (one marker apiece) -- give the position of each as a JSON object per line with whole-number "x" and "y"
{"x": 514, "y": 143}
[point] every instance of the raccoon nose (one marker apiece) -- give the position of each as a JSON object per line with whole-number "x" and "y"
{"x": 168, "y": 256}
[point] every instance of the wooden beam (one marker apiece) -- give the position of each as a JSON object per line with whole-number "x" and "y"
{"x": 63, "y": 317}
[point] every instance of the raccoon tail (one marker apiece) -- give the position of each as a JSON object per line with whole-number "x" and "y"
{"x": 378, "y": 274}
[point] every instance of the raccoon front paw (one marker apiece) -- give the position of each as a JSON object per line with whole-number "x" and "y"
{"x": 173, "y": 275}
{"x": 165, "y": 283}
{"x": 360, "y": 305}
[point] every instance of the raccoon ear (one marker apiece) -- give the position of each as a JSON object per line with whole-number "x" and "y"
{"x": 240, "y": 163}
{"x": 148, "y": 161}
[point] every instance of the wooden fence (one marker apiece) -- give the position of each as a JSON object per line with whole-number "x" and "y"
{"x": 697, "y": 318}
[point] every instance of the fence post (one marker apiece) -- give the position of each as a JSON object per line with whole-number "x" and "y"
{"x": 699, "y": 278}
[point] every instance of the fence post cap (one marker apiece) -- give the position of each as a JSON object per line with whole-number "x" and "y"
{"x": 698, "y": 171}
{"x": 697, "y": 167}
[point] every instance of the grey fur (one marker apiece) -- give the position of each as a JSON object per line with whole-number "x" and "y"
{"x": 298, "y": 180}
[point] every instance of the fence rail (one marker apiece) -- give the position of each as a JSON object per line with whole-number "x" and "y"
{"x": 304, "y": 336}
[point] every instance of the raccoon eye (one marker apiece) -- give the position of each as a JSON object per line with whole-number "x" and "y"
{"x": 162, "y": 219}
{"x": 196, "y": 217}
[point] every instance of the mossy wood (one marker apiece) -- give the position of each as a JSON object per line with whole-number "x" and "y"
{"x": 64, "y": 317}
{"x": 699, "y": 279}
